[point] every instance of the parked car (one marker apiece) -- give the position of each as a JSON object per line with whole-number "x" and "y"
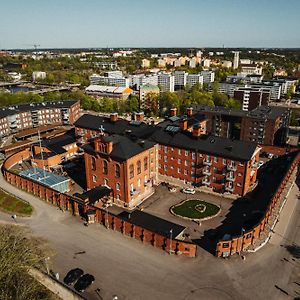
{"x": 73, "y": 276}
{"x": 188, "y": 191}
{"x": 84, "y": 282}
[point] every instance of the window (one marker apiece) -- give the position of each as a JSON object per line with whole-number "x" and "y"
{"x": 178, "y": 170}
{"x": 166, "y": 149}
{"x": 186, "y": 153}
{"x": 105, "y": 167}
{"x": 185, "y": 162}
{"x": 118, "y": 186}
{"x": 131, "y": 171}
{"x": 138, "y": 167}
{"x": 166, "y": 159}
{"x": 93, "y": 163}
{"x": 179, "y": 151}
{"x": 105, "y": 182}
{"x": 139, "y": 182}
{"x": 118, "y": 171}
{"x": 145, "y": 164}
{"x": 224, "y": 161}
{"x": 94, "y": 178}
{"x": 185, "y": 172}
{"x": 193, "y": 155}
{"x": 215, "y": 159}
{"x": 179, "y": 161}
{"x": 172, "y": 149}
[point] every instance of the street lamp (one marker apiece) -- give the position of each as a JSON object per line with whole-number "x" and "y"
{"x": 170, "y": 250}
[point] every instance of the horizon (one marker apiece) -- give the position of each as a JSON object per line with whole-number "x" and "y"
{"x": 156, "y": 24}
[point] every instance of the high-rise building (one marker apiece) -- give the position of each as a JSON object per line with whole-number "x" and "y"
{"x": 208, "y": 76}
{"x": 236, "y": 59}
{"x": 166, "y": 82}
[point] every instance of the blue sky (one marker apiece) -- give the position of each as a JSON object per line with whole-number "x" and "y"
{"x": 156, "y": 23}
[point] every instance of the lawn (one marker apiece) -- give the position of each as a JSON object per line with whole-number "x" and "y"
{"x": 14, "y": 205}
{"x": 195, "y": 209}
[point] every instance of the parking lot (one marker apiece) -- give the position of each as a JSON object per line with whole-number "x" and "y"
{"x": 159, "y": 205}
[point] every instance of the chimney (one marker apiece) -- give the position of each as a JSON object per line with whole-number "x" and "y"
{"x": 197, "y": 131}
{"x": 139, "y": 116}
{"x": 183, "y": 124}
{"x": 173, "y": 111}
{"x": 189, "y": 111}
{"x": 114, "y": 117}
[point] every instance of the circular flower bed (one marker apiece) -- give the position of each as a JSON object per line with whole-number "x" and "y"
{"x": 195, "y": 209}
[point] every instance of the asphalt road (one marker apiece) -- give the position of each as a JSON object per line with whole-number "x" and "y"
{"x": 127, "y": 268}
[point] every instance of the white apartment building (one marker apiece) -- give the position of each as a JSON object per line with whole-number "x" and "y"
{"x": 145, "y": 63}
{"x": 38, "y": 75}
{"x": 109, "y": 81}
{"x": 250, "y": 69}
{"x": 206, "y": 63}
{"x": 141, "y": 79}
{"x": 193, "y": 79}
{"x": 166, "y": 82}
{"x": 227, "y": 64}
{"x": 208, "y": 76}
{"x": 236, "y": 59}
{"x": 180, "y": 78}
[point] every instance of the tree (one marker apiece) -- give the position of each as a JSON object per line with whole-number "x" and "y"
{"x": 19, "y": 252}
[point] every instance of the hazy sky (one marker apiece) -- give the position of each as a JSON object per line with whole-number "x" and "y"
{"x": 152, "y": 23}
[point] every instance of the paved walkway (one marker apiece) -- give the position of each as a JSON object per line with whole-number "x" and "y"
{"x": 127, "y": 268}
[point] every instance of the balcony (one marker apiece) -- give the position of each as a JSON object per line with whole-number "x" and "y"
{"x": 231, "y": 167}
{"x": 205, "y": 182}
{"x": 230, "y": 177}
{"x": 229, "y": 188}
{"x": 207, "y": 171}
{"x": 207, "y": 162}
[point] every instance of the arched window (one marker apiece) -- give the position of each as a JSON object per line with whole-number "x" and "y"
{"x": 145, "y": 163}
{"x": 118, "y": 186}
{"x": 118, "y": 171}
{"x": 93, "y": 163}
{"x": 138, "y": 167}
{"x": 105, "y": 182}
{"x": 94, "y": 178}
{"x": 131, "y": 171}
{"x": 105, "y": 167}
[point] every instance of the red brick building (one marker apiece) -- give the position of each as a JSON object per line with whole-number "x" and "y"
{"x": 125, "y": 164}
{"x": 186, "y": 154}
{"x": 22, "y": 116}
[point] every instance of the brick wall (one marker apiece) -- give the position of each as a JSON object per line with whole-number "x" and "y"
{"x": 72, "y": 204}
{"x": 239, "y": 243}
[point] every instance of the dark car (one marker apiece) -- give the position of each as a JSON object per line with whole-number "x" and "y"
{"x": 83, "y": 282}
{"x": 73, "y": 275}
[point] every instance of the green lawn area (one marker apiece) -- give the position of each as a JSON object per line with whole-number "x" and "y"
{"x": 195, "y": 209}
{"x": 11, "y": 204}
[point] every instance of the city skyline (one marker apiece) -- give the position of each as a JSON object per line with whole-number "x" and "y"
{"x": 96, "y": 24}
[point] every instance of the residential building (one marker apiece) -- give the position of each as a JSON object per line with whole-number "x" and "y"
{"x": 236, "y": 59}
{"x": 249, "y": 69}
{"x": 38, "y": 75}
{"x": 226, "y": 64}
{"x": 141, "y": 79}
{"x": 112, "y": 80}
{"x": 145, "y": 93}
{"x": 126, "y": 165}
{"x": 145, "y": 63}
{"x": 180, "y": 78}
{"x": 166, "y": 82}
{"x": 206, "y": 63}
{"x": 193, "y": 79}
{"x": 208, "y": 76}
{"x": 266, "y": 125}
{"x": 250, "y": 98}
{"x": 24, "y": 116}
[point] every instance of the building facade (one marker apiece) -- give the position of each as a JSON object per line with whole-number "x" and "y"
{"x": 127, "y": 166}
{"x": 24, "y": 116}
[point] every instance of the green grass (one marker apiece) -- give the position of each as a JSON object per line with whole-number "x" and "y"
{"x": 14, "y": 205}
{"x": 188, "y": 209}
